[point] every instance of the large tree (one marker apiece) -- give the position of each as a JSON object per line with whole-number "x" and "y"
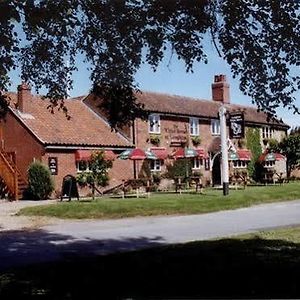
{"x": 260, "y": 40}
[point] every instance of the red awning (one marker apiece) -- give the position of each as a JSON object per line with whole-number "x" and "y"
{"x": 86, "y": 155}
{"x": 244, "y": 154}
{"x": 271, "y": 156}
{"x": 201, "y": 153}
{"x": 160, "y": 152}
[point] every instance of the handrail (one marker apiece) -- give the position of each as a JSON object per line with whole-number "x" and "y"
{"x": 9, "y": 175}
{"x": 14, "y": 166}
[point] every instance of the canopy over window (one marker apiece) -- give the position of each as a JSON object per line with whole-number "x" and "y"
{"x": 271, "y": 156}
{"x": 160, "y": 152}
{"x": 86, "y": 154}
{"x": 240, "y": 154}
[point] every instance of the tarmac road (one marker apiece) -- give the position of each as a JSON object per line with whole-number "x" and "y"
{"x": 70, "y": 239}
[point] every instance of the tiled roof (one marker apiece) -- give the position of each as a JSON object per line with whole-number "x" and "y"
{"x": 180, "y": 105}
{"x": 84, "y": 128}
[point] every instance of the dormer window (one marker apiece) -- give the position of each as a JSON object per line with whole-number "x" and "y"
{"x": 154, "y": 123}
{"x": 194, "y": 127}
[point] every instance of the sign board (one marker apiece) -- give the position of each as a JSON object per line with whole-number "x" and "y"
{"x": 236, "y": 126}
{"x": 69, "y": 188}
{"x": 52, "y": 164}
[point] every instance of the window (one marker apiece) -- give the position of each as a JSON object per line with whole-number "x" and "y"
{"x": 267, "y": 132}
{"x": 82, "y": 166}
{"x": 194, "y": 126}
{"x": 269, "y": 164}
{"x": 240, "y": 164}
{"x": 155, "y": 165}
{"x": 197, "y": 163}
{"x": 154, "y": 124}
{"x": 215, "y": 127}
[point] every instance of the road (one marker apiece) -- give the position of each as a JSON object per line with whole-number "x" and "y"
{"x": 75, "y": 238}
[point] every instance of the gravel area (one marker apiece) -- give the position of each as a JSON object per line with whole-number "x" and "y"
{"x": 10, "y": 221}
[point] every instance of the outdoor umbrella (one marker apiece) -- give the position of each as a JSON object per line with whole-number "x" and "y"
{"x": 136, "y": 154}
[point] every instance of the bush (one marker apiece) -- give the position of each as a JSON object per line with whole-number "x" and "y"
{"x": 40, "y": 183}
{"x": 180, "y": 168}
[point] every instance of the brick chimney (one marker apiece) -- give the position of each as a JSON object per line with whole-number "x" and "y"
{"x": 220, "y": 89}
{"x": 24, "y": 97}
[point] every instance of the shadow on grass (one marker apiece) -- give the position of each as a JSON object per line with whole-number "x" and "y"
{"x": 227, "y": 268}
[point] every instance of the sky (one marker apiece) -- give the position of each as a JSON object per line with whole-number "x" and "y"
{"x": 171, "y": 78}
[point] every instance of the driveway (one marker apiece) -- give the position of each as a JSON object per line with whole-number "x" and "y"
{"x": 53, "y": 240}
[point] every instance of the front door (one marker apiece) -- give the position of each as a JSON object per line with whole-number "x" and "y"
{"x": 216, "y": 171}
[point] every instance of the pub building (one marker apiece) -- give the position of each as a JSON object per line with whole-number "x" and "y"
{"x": 30, "y": 132}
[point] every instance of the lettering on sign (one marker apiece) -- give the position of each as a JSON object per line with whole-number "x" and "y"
{"x": 236, "y": 126}
{"x": 52, "y": 163}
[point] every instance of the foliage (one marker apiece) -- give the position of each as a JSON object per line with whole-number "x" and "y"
{"x": 40, "y": 182}
{"x": 258, "y": 39}
{"x": 98, "y": 174}
{"x": 290, "y": 147}
{"x": 155, "y": 139}
{"x": 196, "y": 140}
{"x": 253, "y": 144}
{"x": 180, "y": 168}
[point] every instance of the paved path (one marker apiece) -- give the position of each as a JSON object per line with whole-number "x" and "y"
{"x": 75, "y": 238}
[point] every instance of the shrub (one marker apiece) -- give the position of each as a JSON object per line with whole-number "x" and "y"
{"x": 180, "y": 168}
{"x": 40, "y": 182}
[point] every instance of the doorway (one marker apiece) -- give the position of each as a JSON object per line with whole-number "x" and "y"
{"x": 216, "y": 171}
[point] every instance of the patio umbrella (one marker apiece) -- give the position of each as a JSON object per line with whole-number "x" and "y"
{"x": 136, "y": 154}
{"x": 185, "y": 153}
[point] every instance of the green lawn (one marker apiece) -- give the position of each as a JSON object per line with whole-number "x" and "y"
{"x": 167, "y": 204}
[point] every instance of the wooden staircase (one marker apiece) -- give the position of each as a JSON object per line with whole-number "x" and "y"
{"x": 12, "y": 184}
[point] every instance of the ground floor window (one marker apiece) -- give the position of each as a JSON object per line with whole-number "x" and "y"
{"x": 240, "y": 164}
{"x": 197, "y": 163}
{"x": 82, "y": 166}
{"x": 155, "y": 165}
{"x": 270, "y": 163}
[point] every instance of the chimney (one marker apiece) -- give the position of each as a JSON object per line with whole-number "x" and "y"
{"x": 220, "y": 89}
{"x": 24, "y": 97}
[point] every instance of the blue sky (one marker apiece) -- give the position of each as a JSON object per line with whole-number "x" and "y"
{"x": 172, "y": 78}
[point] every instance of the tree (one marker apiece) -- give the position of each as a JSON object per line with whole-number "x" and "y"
{"x": 260, "y": 40}
{"x": 290, "y": 147}
{"x": 97, "y": 174}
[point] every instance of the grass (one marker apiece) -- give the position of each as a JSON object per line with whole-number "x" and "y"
{"x": 266, "y": 265}
{"x": 167, "y": 204}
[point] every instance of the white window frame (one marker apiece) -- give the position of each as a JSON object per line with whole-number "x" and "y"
{"x": 194, "y": 126}
{"x": 215, "y": 127}
{"x": 154, "y": 123}
{"x": 198, "y": 163}
{"x": 87, "y": 169}
{"x": 240, "y": 164}
{"x": 155, "y": 165}
{"x": 269, "y": 164}
{"x": 267, "y": 132}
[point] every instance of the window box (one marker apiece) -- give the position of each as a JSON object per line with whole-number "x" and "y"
{"x": 155, "y": 139}
{"x": 196, "y": 140}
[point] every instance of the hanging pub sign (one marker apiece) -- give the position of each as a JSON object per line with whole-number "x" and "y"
{"x": 236, "y": 126}
{"x": 52, "y": 164}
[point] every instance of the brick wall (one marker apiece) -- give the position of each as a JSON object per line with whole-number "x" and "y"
{"x": 15, "y": 138}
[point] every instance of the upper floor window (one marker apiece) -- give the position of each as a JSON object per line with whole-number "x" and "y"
{"x": 215, "y": 126}
{"x": 155, "y": 165}
{"x": 194, "y": 126}
{"x": 154, "y": 124}
{"x": 267, "y": 132}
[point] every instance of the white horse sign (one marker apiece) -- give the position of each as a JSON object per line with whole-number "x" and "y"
{"x": 236, "y": 126}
